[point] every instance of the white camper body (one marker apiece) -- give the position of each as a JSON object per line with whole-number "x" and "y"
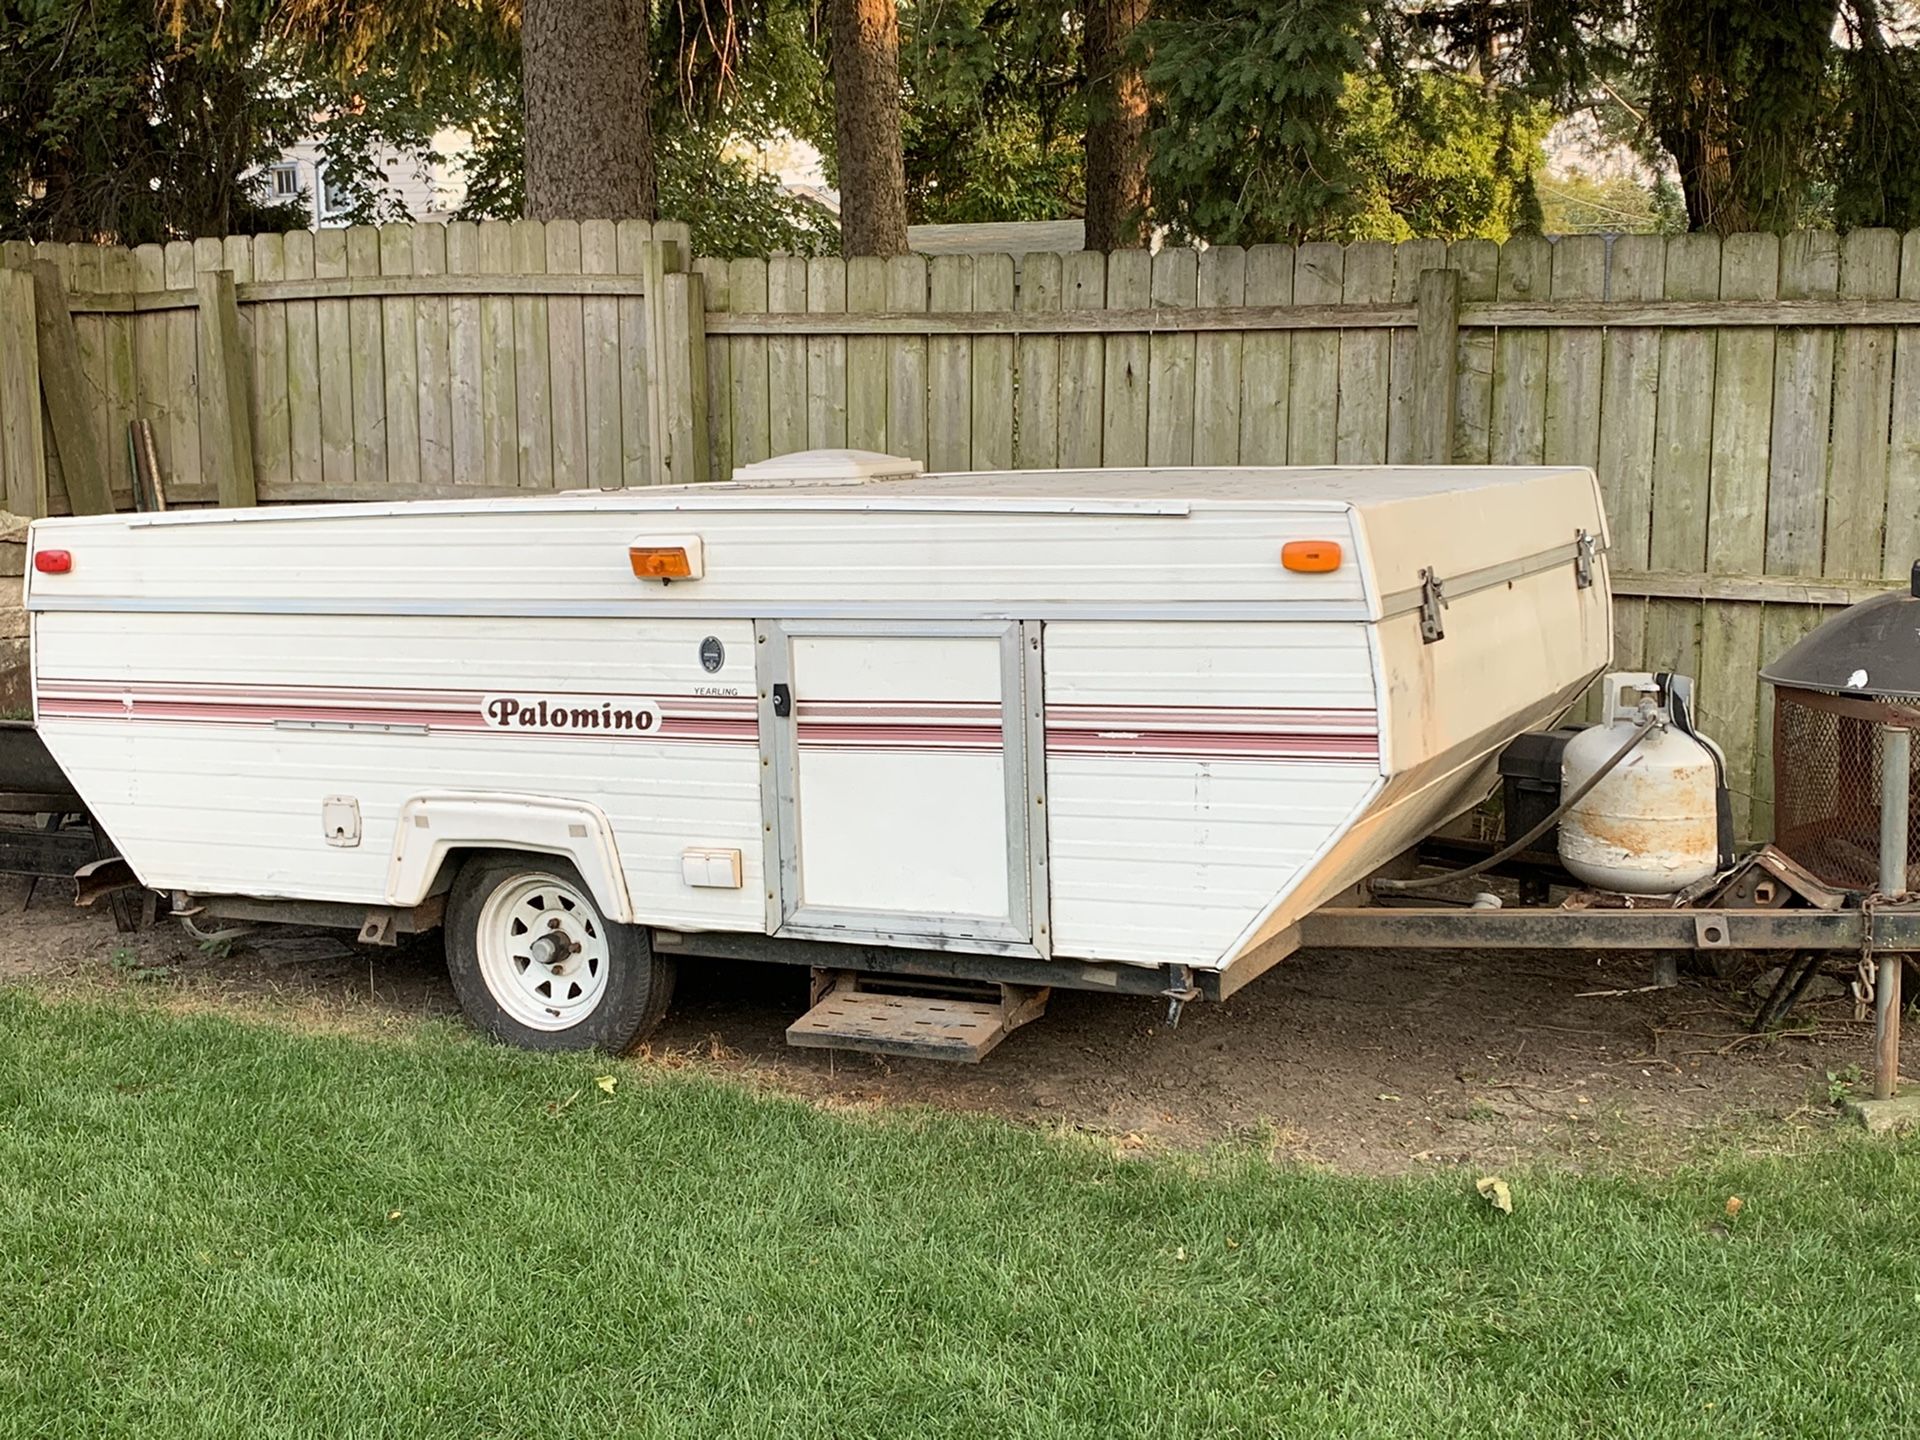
{"x": 1085, "y": 715}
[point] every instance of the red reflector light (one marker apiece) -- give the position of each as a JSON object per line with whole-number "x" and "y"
{"x": 53, "y": 562}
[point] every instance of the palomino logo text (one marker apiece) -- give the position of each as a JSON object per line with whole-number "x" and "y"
{"x": 571, "y": 714}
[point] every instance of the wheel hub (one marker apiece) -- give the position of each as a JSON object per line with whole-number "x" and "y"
{"x": 553, "y": 950}
{"x": 543, "y": 951}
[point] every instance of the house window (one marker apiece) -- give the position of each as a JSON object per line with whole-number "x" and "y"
{"x": 286, "y": 182}
{"x": 331, "y": 202}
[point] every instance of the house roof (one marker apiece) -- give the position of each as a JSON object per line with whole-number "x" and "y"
{"x": 1013, "y": 237}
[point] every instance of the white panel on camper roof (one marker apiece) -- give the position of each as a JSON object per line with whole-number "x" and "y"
{"x": 760, "y": 562}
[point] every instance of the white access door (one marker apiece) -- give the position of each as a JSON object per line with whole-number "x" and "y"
{"x": 898, "y": 756}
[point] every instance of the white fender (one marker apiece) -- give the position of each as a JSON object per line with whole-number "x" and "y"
{"x": 434, "y": 824}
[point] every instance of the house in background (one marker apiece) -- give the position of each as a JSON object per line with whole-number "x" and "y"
{"x": 430, "y": 190}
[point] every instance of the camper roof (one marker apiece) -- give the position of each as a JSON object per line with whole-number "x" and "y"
{"x": 828, "y": 473}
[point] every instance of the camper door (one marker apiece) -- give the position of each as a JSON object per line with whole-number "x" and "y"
{"x": 902, "y": 765}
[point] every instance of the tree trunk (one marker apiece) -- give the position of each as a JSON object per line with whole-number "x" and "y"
{"x": 866, "y": 127}
{"x": 1116, "y": 128}
{"x": 1706, "y": 166}
{"x": 589, "y": 138}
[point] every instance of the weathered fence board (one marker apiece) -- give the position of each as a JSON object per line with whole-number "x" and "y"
{"x": 950, "y": 371}
{"x": 907, "y": 360}
{"x": 1266, "y": 377}
{"x": 866, "y": 360}
{"x": 993, "y": 361}
{"x": 1037, "y": 426}
{"x": 1407, "y": 372}
{"x": 1478, "y": 264}
{"x": 1318, "y": 274}
{"x": 1730, "y": 689}
{"x": 1169, "y": 414}
{"x": 23, "y": 444}
{"x": 826, "y": 358}
{"x": 787, "y": 359}
{"x": 1083, "y": 363}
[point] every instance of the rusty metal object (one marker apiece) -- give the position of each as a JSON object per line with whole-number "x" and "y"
{"x": 1892, "y": 928}
{"x": 98, "y": 879}
{"x": 1769, "y": 879}
{"x": 1652, "y": 825}
{"x": 1829, "y": 788}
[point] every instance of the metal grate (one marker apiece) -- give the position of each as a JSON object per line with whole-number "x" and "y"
{"x": 1826, "y": 788}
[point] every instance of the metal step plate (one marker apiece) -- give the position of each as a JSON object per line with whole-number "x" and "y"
{"x": 921, "y": 1026}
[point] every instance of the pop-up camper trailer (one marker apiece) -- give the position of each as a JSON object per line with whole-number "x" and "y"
{"x": 1110, "y": 728}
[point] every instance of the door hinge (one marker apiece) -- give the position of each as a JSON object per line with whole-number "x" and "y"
{"x": 1433, "y": 600}
{"x": 1584, "y": 550}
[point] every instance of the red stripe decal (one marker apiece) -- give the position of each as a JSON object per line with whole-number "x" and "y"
{"x": 1303, "y": 734}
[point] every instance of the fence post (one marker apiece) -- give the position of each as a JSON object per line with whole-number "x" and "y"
{"x": 23, "y": 442}
{"x": 227, "y": 441}
{"x": 678, "y": 365}
{"x": 70, "y": 400}
{"x": 1436, "y": 376}
{"x": 661, "y": 256}
{"x": 684, "y": 379}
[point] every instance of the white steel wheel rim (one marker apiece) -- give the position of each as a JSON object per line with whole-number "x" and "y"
{"x": 543, "y": 952}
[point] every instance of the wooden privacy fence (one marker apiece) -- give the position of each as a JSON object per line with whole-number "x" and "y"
{"x": 1751, "y": 405}
{"x": 403, "y": 361}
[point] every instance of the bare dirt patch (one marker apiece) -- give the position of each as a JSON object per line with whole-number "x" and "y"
{"x": 1376, "y": 1062}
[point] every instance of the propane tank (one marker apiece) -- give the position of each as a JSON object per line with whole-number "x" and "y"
{"x": 1651, "y": 826}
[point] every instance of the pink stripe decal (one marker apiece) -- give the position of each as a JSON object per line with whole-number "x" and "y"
{"x": 1189, "y": 732}
{"x": 725, "y": 720}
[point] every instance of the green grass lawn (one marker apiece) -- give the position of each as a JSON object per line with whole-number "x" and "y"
{"x": 219, "y": 1230}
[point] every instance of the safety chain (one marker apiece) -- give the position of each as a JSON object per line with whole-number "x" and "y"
{"x": 1867, "y": 971}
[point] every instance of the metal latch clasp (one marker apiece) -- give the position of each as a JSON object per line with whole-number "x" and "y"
{"x": 1584, "y": 550}
{"x": 1433, "y": 600}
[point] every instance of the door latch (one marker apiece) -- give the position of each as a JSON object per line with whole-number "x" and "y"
{"x": 782, "y": 702}
{"x": 1584, "y": 550}
{"x": 1433, "y": 599}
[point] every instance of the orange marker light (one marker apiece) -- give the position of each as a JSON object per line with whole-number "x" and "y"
{"x": 1311, "y": 557}
{"x": 660, "y": 562}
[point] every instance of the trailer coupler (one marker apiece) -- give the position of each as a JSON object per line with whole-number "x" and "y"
{"x": 1180, "y": 989}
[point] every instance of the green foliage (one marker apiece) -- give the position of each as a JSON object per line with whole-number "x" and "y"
{"x": 1774, "y": 115}
{"x": 1736, "y": 95}
{"x": 1577, "y": 204}
{"x": 1437, "y": 156}
{"x": 115, "y": 127}
{"x": 730, "y": 207}
{"x": 1874, "y": 164}
{"x": 1246, "y": 146}
{"x": 711, "y": 108}
{"x": 1292, "y": 120}
{"x": 994, "y": 115}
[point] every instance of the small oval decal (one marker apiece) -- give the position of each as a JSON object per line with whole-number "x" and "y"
{"x": 712, "y": 654}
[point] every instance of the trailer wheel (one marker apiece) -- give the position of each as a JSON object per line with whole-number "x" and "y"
{"x": 536, "y": 965}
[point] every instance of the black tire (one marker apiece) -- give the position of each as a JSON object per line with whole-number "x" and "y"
{"x": 633, "y": 995}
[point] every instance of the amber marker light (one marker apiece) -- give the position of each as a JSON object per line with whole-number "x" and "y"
{"x": 676, "y": 559}
{"x": 1311, "y": 557}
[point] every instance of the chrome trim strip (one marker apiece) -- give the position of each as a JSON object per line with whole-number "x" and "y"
{"x": 1336, "y": 610}
{"x": 1471, "y": 582}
